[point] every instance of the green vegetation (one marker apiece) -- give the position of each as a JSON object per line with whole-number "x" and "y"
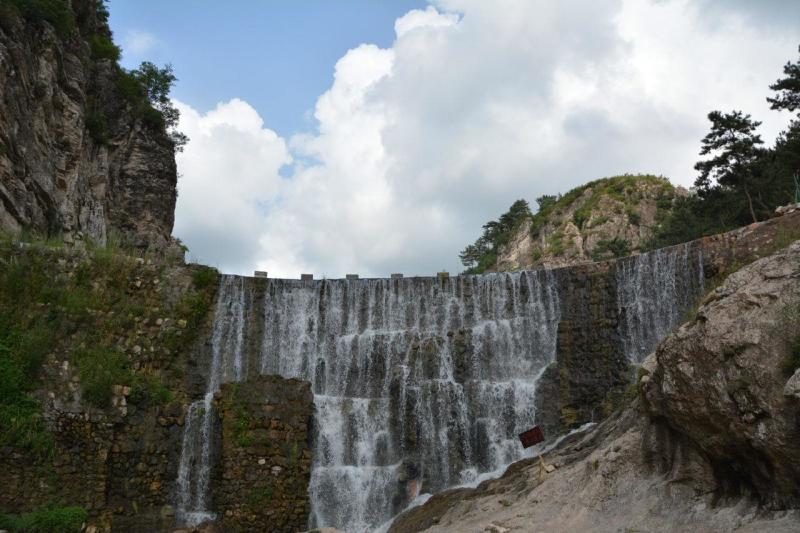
{"x": 610, "y": 249}
{"x": 96, "y": 121}
{"x": 103, "y": 47}
{"x": 99, "y": 370}
{"x": 621, "y": 188}
{"x": 260, "y": 496}
{"x": 741, "y": 181}
{"x": 204, "y": 277}
{"x": 482, "y": 254}
{"x": 241, "y": 427}
{"x": 146, "y": 89}
{"x": 56, "y": 12}
{"x": 78, "y": 314}
{"x": 47, "y": 520}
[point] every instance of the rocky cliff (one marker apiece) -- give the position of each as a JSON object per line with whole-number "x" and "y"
{"x": 76, "y": 159}
{"x": 707, "y": 442}
{"x": 603, "y": 219}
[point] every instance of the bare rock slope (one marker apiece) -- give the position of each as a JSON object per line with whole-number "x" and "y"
{"x": 709, "y": 443}
{"x": 75, "y": 158}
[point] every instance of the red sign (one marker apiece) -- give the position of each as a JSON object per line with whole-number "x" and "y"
{"x": 531, "y": 437}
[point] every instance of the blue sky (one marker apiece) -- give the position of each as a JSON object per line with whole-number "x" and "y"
{"x": 277, "y": 55}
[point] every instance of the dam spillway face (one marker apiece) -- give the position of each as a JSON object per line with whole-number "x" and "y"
{"x": 419, "y": 383}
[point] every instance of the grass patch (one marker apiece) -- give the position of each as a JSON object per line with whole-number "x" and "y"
{"x": 47, "y": 520}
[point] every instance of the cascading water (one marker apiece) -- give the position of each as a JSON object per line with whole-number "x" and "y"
{"x": 654, "y": 291}
{"x": 194, "y": 469}
{"x": 418, "y": 382}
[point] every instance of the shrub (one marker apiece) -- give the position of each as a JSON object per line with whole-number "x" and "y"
{"x": 103, "y": 47}
{"x": 204, "y": 277}
{"x": 97, "y": 126}
{"x": 99, "y": 370}
{"x": 610, "y": 248}
{"x": 56, "y": 12}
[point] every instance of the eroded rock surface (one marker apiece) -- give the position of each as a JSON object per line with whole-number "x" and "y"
{"x": 56, "y": 177}
{"x": 720, "y": 379}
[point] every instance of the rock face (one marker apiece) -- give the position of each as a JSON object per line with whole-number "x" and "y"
{"x": 265, "y": 465}
{"x": 710, "y": 443}
{"x": 721, "y": 379}
{"x": 601, "y": 220}
{"x": 55, "y": 177}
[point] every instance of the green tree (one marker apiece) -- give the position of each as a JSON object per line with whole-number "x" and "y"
{"x": 156, "y": 84}
{"x": 480, "y": 255}
{"x": 788, "y": 88}
{"x": 546, "y": 201}
{"x": 785, "y": 161}
{"x": 735, "y": 150}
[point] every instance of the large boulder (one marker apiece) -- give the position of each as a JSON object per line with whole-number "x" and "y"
{"x": 724, "y": 379}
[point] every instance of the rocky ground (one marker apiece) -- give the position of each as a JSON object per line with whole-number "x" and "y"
{"x": 708, "y": 442}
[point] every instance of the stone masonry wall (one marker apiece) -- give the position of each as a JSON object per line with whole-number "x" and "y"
{"x": 265, "y": 461}
{"x": 119, "y": 461}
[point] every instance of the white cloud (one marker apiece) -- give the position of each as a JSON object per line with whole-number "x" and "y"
{"x": 229, "y": 177}
{"x": 138, "y": 43}
{"x": 474, "y": 105}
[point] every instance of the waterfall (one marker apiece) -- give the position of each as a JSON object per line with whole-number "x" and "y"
{"x": 418, "y": 382}
{"x": 655, "y": 290}
{"x": 194, "y": 468}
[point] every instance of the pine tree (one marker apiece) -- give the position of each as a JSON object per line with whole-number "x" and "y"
{"x": 735, "y": 150}
{"x": 788, "y": 89}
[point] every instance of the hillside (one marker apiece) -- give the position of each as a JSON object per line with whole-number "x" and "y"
{"x": 603, "y": 219}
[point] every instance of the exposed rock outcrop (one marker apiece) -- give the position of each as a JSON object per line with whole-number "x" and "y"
{"x": 57, "y": 178}
{"x": 721, "y": 379}
{"x": 711, "y": 445}
{"x": 603, "y": 219}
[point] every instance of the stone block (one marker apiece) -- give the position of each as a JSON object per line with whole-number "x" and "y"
{"x": 306, "y": 277}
